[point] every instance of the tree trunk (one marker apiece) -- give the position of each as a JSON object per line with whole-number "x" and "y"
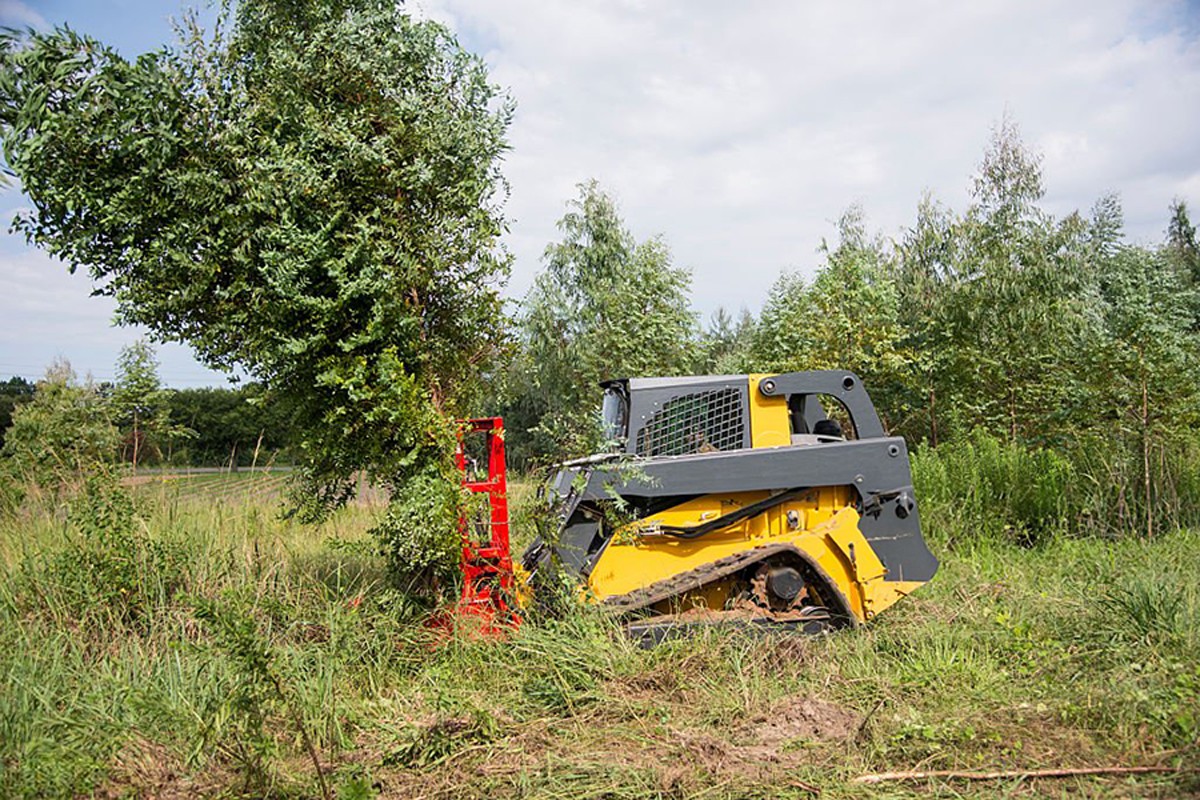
{"x": 136, "y": 441}
{"x": 1146, "y": 455}
{"x": 933, "y": 415}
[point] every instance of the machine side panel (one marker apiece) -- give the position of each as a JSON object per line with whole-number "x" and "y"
{"x": 877, "y": 469}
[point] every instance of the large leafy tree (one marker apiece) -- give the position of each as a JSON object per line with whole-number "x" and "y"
{"x": 312, "y": 193}
{"x": 606, "y": 306}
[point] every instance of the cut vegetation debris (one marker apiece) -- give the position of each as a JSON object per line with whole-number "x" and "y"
{"x": 191, "y": 647}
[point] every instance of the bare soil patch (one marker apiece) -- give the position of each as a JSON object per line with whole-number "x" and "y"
{"x": 799, "y": 718}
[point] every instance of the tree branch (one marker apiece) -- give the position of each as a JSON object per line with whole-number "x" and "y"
{"x": 883, "y": 777}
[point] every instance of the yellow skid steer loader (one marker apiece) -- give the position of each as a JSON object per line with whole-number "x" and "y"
{"x": 773, "y": 500}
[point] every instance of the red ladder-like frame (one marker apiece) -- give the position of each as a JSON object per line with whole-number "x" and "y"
{"x": 487, "y": 568}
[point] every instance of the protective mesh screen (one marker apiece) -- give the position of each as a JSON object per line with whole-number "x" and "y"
{"x": 694, "y": 423}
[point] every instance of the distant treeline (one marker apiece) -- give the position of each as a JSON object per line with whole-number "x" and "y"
{"x": 209, "y": 427}
{"x": 228, "y": 426}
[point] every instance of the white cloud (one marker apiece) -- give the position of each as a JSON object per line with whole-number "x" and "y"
{"x": 740, "y": 131}
{"x": 14, "y": 13}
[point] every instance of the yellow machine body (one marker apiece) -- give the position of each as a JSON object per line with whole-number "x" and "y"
{"x": 828, "y": 535}
{"x": 712, "y": 551}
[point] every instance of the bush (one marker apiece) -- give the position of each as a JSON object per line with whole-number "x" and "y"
{"x": 108, "y": 573}
{"x": 62, "y": 435}
{"x": 985, "y": 487}
{"x": 419, "y": 533}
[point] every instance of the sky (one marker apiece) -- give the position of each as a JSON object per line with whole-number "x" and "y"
{"x": 739, "y": 132}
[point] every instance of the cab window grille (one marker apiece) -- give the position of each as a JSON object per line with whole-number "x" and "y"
{"x": 694, "y": 423}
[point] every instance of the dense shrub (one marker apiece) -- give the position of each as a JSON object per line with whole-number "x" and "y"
{"x": 984, "y": 486}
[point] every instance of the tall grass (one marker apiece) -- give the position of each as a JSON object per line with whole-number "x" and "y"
{"x": 205, "y": 647}
{"x": 983, "y": 487}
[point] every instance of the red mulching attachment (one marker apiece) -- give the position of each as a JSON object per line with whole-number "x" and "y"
{"x": 488, "y": 585}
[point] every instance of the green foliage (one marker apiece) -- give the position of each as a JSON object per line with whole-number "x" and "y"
{"x": 256, "y": 690}
{"x": 108, "y": 575}
{"x": 142, "y": 406}
{"x": 114, "y": 573}
{"x": 726, "y": 347}
{"x": 1010, "y": 315}
{"x": 995, "y": 489}
{"x": 605, "y": 307}
{"x": 312, "y": 194}
{"x": 12, "y": 392}
{"x": 60, "y": 436}
{"x": 987, "y": 488}
{"x": 231, "y": 426}
{"x": 419, "y": 532}
{"x": 1182, "y": 247}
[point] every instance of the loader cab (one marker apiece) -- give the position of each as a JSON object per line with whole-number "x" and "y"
{"x": 655, "y": 417}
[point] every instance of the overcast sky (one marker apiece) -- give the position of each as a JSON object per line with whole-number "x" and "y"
{"x": 741, "y": 131}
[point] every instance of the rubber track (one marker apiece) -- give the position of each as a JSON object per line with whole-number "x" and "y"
{"x": 693, "y": 579}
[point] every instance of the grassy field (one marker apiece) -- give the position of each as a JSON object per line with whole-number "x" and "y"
{"x": 196, "y": 644}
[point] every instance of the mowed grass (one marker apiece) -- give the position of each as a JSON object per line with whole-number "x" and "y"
{"x": 212, "y": 648}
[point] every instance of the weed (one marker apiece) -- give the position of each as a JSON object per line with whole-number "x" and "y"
{"x": 1146, "y": 608}
{"x": 258, "y": 686}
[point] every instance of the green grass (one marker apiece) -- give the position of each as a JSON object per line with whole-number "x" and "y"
{"x": 194, "y": 647}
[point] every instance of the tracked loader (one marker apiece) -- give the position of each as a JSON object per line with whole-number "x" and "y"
{"x": 759, "y": 500}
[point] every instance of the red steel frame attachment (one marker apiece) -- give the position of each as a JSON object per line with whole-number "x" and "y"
{"x": 488, "y": 587}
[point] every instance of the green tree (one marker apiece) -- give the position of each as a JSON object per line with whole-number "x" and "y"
{"x": 312, "y": 193}
{"x": 847, "y": 318}
{"x": 1011, "y": 315}
{"x": 13, "y": 392}
{"x": 606, "y": 306}
{"x": 141, "y": 405}
{"x": 926, "y": 264}
{"x": 62, "y": 435}
{"x": 780, "y": 336}
{"x": 1145, "y": 366}
{"x": 1182, "y": 246}
{"x": 725, "y": 347}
